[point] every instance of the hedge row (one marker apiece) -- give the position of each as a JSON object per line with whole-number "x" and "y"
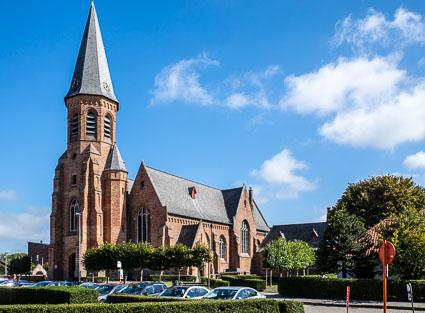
{"x": 191, "y": 278}
{"x": 47, "y": 295}
{"x": 245, "y": 281}
{"x": 96, "y": 279}
{"x": 214, "y": 283}
{"x": 360, "y": 289}
{"x": 199, "y": 306}
{"x": 117, "y": 298}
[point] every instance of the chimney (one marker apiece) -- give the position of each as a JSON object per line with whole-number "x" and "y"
{"x": 250, "y": 196}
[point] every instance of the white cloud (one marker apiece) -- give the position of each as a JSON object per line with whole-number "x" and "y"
{"x": 415, "y": 161}
{"x": 24, "y": 227}
{"x": 181, "y": 82}
{"x": 369, "y": 102}
{"x": 8, "y": 195}
{"x": 279, "y": 171}
{"x": 406, "y": 27}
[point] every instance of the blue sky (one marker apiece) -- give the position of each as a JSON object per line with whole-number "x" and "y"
{"x": 294, "y": 98}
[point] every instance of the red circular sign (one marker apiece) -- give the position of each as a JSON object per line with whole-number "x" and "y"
{"x": 386, "y": 252}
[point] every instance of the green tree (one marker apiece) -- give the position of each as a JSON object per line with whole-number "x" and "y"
{"x": 179, "y": 257}
{"x": 20, "y": 264}
{"x": 377, "y": 198}
{"x": 199, "y": 255}
{"x": 161, "y": 260}
{"x": 145, "y": 252}
{"x": 344, "y": 245}
{"x": 127, "y": 253}
{"x": 407, "y": 233}
{"x": 103, "y": 258}
{"x": 303, "y": 255}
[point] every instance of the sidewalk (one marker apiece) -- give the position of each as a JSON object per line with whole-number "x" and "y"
{"x": 353, "y": 303}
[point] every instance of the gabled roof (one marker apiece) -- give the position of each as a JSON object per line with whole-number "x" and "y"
{"x": 91, "y": 73}
{"x": 210, "y": 204}
{"x": 114, "y": 161}
{"x": 296, "y": 232}
{"x": 188, "y": 234}
{"x": 173, "y": 193}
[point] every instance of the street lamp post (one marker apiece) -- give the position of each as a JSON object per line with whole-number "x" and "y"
{"x": 79, "y": 245}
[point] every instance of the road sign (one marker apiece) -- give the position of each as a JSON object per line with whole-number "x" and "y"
{"x": 386, "y": 252}
{"x": 119, "y": 265}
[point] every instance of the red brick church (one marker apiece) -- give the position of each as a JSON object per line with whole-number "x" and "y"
{"x": 91, "y": 179}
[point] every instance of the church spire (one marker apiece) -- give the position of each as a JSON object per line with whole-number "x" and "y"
{"x": 91, "y": 73}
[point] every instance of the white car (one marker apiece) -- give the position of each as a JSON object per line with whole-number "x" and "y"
{"x": 106, "y": 290}
{"x": 233, "y": 293}
{"x": 190, "y": 292}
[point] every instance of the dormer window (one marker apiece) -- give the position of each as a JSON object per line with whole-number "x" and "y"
{"x": 192, "y": 192}
{"x": 91, "y": 124}
{"x": 314, "y": 236}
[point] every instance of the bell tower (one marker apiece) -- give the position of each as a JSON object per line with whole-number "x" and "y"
{"x": 79, "y": 184}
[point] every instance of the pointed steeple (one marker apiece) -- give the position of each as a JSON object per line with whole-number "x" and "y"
{"x": 114, "y": 161}
{"x": 91, "y": 73}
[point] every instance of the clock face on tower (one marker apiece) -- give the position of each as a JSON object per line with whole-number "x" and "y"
{"x": 107, "y": 86}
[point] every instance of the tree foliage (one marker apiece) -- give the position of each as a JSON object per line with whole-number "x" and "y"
{"x": 377, "y": 198}
{"x": 288, "y": 255}
{"x": 344, "y": 245}
{"x": 20, "y": 264}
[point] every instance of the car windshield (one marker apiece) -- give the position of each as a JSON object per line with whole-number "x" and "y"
{"x": 105, "y": 289}
{"x": 221, "y": 294}
{"x": 174, "y": 292}
{"x": 42, "y": 284}
{"x": 132, "y": 289}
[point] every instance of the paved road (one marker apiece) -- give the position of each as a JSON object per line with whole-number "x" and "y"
{"x": 333, "y": 309}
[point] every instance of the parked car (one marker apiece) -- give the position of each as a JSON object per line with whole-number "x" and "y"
{"x": 9, "y": 283}
{"x": 144, "y": 289}
{"x": 89, "y": 285}
{"x": 62, "y": 284}
{"x": 42, "y": 283}
{"x": 106, "y": 290}
{"x": 233, "y": 293}
{"x": 3, "y": 278}
{"x": 192, "y": 292}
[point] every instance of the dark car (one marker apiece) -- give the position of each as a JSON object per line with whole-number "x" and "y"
{"x": 144, "y": 289}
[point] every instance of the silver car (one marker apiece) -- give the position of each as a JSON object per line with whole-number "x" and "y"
{"x": 233, "y": 293}
{"x": 191, "y": 292}
{"x": 106, "y": 290}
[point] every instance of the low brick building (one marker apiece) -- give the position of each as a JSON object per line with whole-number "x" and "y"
{"x": 38, "y": 252}
{"x": 92, "y": 189}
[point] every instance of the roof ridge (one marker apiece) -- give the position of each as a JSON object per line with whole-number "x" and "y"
{"x": 300, "y": 224}
{"x": 155, "y": 169}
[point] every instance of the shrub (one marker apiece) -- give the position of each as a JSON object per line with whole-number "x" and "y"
{"x": 190, "y": 278}
{"x": 199, "y": 306}
{"x": 245, "y": 281}
{"x": 97, "y": 279}
{"x": 360, "y": 289}
{"x": 117, "y": 298}
{"x": 48, "y": 295}
{"x": 214, "y": 283}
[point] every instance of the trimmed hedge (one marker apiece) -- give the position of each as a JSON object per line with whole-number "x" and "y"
{"x": 47, "y": 295}
{"x": 245, "y": 281}
{"x": 190, "y": 278}
{"x": 199, "y": 306}
{"x": 214, "y": 283}
{"x": 360, "y": 289}
{"x": 117, "y": 298}
{"x": 97, "y": 279}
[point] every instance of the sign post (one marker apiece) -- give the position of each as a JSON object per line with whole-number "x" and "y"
{"x": 348, "y": 298}
{"x": 410, "y": 295}
{"x": 386, "y": 255}
{"x": 119, "y": 265}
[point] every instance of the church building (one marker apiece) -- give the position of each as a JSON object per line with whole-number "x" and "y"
{"x": 91, "y": 187}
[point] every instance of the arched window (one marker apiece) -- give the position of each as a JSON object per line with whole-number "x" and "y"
{"x": 74, "y": 125}
{"x": 91, "y": 124}
{"x": 107, "y": 126}
{"x": 245, "y": 237}
{"x": 222, "y": 248}
{"x": 143, "y": 225}
{"x": 73, "y": 209}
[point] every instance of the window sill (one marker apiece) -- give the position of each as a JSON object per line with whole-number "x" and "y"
{"x": 244, "y": 255}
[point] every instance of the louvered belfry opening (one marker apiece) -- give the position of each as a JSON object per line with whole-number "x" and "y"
{"x": 107, "y": 126}
{"x": 91, "y": 125}
{"x": 74, "y": 125}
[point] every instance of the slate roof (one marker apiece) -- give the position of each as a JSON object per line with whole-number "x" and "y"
{"x": 91, "y": 73}
{"x": 210, "y": 204}
{"x": 295, "y": 231}
{"x": 130, "y": 184}
{"x": 114, "y": 161}
{"x": 188, "y": 234}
